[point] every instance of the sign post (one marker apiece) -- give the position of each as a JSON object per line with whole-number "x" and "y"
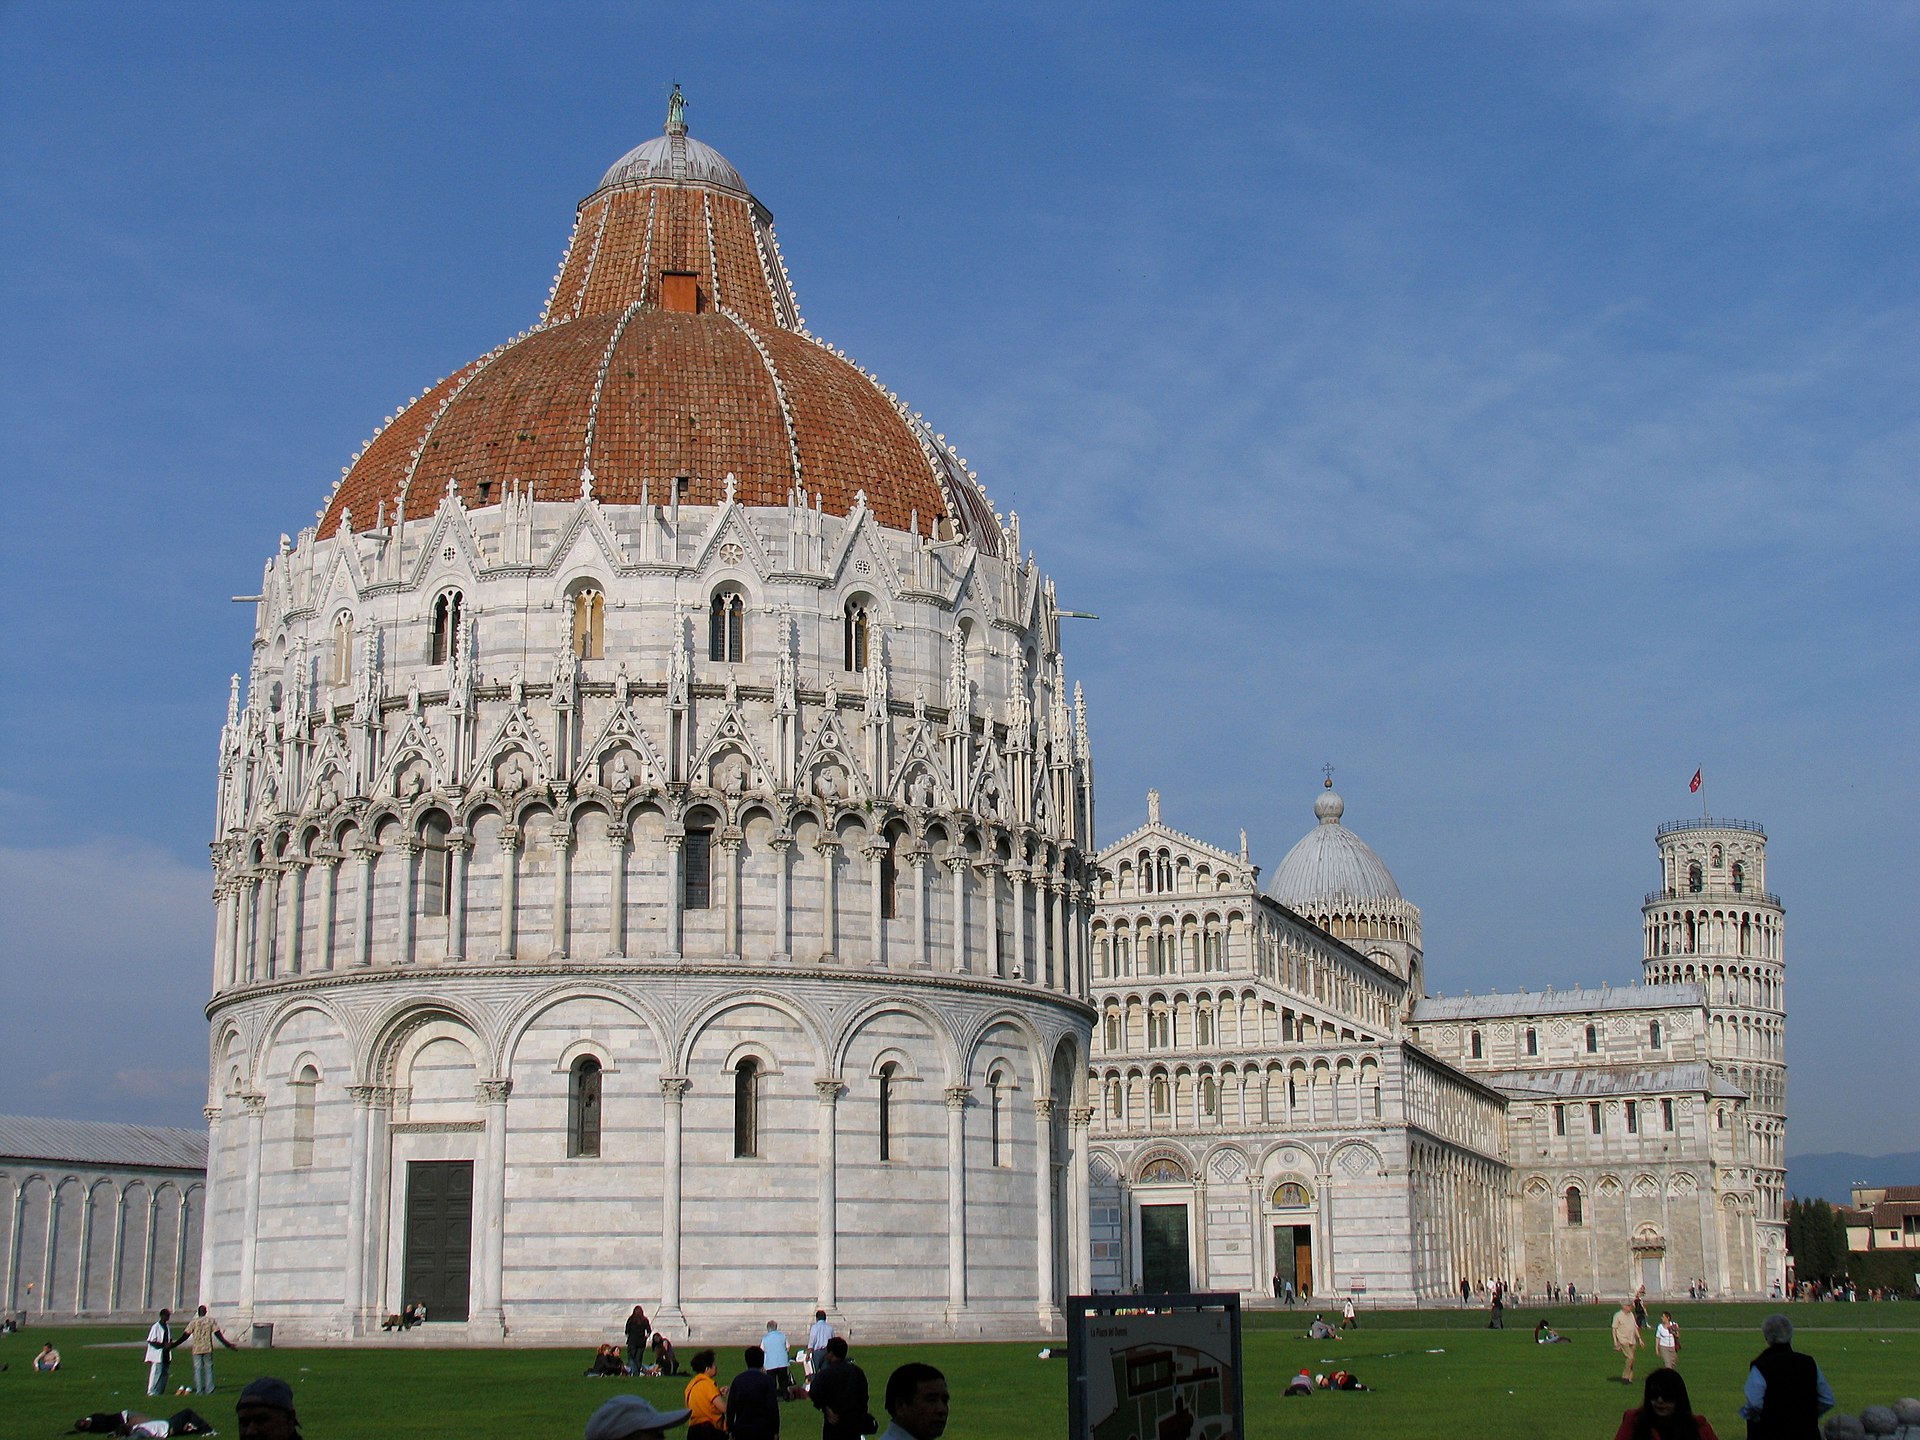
{"x": 1154, "y": 1367}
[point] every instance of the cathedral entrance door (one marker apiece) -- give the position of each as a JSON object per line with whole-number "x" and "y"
{"x": 1650, "y": 1273}
{"x": 1163, "y": 1249}
{"x": 439, "y": 1236}
{"x": 1293, "y": 1257}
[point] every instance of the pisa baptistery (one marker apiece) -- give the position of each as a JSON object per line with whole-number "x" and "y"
{"x": 654, "y": 842}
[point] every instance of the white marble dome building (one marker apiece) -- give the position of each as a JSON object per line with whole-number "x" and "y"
{"x": 654, "y": 842}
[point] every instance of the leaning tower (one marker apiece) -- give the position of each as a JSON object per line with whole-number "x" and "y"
{"x": 1714, "y": 923}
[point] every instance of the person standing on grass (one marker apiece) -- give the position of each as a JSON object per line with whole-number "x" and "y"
{"x": 1665, "y": 1413}
{"x": 1666, "y": 1340}
{"x": 1786, "y": 1393}
{"x": 753, "y": 1400}
{"x": 1497, "y": 1311}
{"x": 839, "y": 1393}
{"x": 159, "y": 1356}
{"x": 917, "y": 1403}
{"x": 773, "y": 1345}
{"x": 818, "y": 1334}
{"x": 706, "y": 1401}
{"x": 638, "y": 1328}
{"x": 1626, "y": 1338}
{"x": 1349, "y": 1316}
{"x": 202, "y": 1331}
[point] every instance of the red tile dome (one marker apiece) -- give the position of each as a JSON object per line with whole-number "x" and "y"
{"x": 671, "y": 353}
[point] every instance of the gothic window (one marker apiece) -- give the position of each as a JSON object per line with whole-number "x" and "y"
{"x": 855, "y": 618}
{"x": 583, "y": 1107}
{"x": 746, "y": 1108}
{"x": 1475, "y": 1048}
{"x": 436, "y": 894}
{"x": 1653, "y": 1034}
{"x": 1533, "y": 1041}
{"x": 696, "y": 860}
{"x": 1573, "y": 1206}
{"x": 1593, "y": 1039}
{"x": 340, "y": 650}
{"x": 589, "y": 624}
{"x": 1694, "y": 880}
{"x": 887, "y": 1072}
{"x": 1739, "y": 878}
{"x": 726, "y": 627}
{"x": 446, "y": 627}
{"x": 305, "y": 1087}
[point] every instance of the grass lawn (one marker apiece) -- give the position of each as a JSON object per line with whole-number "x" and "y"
{"x": 1436, "y": 1373}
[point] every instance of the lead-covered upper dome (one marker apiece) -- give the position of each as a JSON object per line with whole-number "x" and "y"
{"x": 1330, "y": 862}
{"x": 671, "y": 355}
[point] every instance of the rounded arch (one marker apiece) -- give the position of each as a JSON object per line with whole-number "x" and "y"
{"x": 1152, "y": 1157}
{"x": 282, "y": 1016}
{"x": 702, "y": 1019}
{"x": 392, "y": 1033}
{"x": 971, "y": 1042}
{"x": 865, "y": 1013}
{"x": 513, "y": 1031}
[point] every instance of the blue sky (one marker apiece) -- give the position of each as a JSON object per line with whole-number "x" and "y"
{"x": 1514, "y": 405}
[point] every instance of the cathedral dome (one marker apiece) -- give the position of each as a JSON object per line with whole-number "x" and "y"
{"x": 671, "y": 356}
{"x": 1330, "y": 862}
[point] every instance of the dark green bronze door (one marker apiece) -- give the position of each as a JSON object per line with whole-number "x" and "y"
{"x": 1163, "y": 1249}
{"x": 439, "y": 1236}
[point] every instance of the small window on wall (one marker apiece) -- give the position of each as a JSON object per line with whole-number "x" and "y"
{"x": 999, "y": 1137}
{"x": 696, "y": 858}
{"x": 305, "y": 1087}
{"x": 583, "y": 1108}
{"x": 436, "y": 894}
{"x": 1739, "y": 878}
{"x": 889, "y": 885}
{"x": 446, "y": 627}
{"x": 1111, "y": 1034}
{"x": 746, "y": 1108}
{"x": 1593, "y": 1116}
{"x": 1666, "y": 1115}
{"x": 855, "y": 620}
{"x": 1559, "y": 1119}
{"x": 1533, "y": 1041}
{"x": 589, "y": 625}
{"x": 726, "y": 627}
{"x": 1575, "y": 1209}
{"x": 1474, "y": 1046}
{"x": 1209, "y": 1097}
{"x": 1113, "y": 1099}
{"x": 1161, "y": 1103}
{"x": 1593, "y": 1039}
{"x": 1653, "y": 1034}
{"x": 885, "y": 1117}
{"x": 1695, "y": 881}
{"x": 1633, "y": 1118}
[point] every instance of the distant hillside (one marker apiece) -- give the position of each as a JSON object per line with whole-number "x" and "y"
{"x": 1831, "y": 1176}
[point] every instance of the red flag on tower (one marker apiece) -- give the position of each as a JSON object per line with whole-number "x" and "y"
{"x": 1693, "y": 785}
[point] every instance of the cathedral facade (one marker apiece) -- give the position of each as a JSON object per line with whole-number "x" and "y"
{"x": 654, "y": 851}
{"x": 1278, "y": 1101}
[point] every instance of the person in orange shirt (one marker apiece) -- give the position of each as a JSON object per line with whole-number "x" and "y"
{"x": 706, "y": 1400}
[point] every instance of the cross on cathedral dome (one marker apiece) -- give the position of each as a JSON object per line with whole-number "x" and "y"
{"x": 671, "y": 355}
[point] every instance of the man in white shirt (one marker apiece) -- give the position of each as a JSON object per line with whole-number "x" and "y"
{"x": 818, "y": 1334}
{"x": 160, "y": 1345}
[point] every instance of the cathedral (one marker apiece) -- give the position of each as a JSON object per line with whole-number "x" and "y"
{"x": 1280, "y": 1103}
{"x": 655, "y": 860}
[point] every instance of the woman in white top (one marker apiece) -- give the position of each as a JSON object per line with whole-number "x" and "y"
{"x": 1666, "y": 1340}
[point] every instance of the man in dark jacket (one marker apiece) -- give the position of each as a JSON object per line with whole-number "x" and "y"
{"x": 1786, "y": 1393}
{"x": 839, "y": 1393}
{"x": 753, "y": 1401}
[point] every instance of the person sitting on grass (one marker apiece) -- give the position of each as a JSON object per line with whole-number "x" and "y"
{"x": 1545, "y": 1334}
{"x": 1301, "y": 1384}
{"x": 664, "y": 1360}
{"x": 48, "y": 1360}
{"x": 1319, "y": 1330}
{"x": 607, "y": 1362}
{"x": 1665, "y": 1412}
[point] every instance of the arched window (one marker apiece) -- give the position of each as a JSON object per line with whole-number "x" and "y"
{"x": 1573, "y": 1205}
{"x": 583, "y": 1107}
{"x": 305, "y": 1087}
{"x": 1739, "y": 878}
{"x": 746, "y": 1108}
{"x": 998, "y": 1135}
{"x": 727, "y": 627}
{"x": 1161, "y": 1104}
{"x": 1113, "y": 1100}
{"x": 435, "y": 893}
{"x": 1533, "y": 1041}
{"x": 696, "y": 869}
{"x": 887, "y": 1072}
{"x": 889, "y": 884}
{"x": 1593, "y": 1039}
{"x": 1203, "y": 1026}
{"x": 340, "y": 650}
{"x": 1112, "y": 1030}
{"x": 446, "y": 627}
{"x": 1695, "y": 882}
{"x": 589, "y": 624}
{"x": 1474, "y": 1046}
{"x": 855, "y": 618}
{"x": 1717, "y": 855}
{"x": 1209, "y": 1097}
{"x": 1653, "y": 1034}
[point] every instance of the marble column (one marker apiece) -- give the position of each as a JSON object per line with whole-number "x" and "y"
{"x": 490, "y": 1218}
{"x": 363, "y": 906}
{"x": 1080, "y": 1202}
{"x": 562, "y": 891}
{"x": 617, "y": 836}
{"x": 729, "y": 847}
{"x": 266, "y": 896}
{"x": 295, "y": 900}
{"x": 256, "y": 1108}
{"x": 876, "y": 916}
{"x": 995, "y": 959}
{"x": 676, "y": 889}
{"x": 409, "y": 852}
{"x": 243, "y": 929}
{"x": 783, "y": 893}
{"x": 459, "y": 846}
{"x": 215, "y": 1179}
{"x": 922, "y": 910}
{"x": 1047, "y": 1300}
{"x": 120, "y": 1244}
{"x": 828, "y": 851}
{"x": 14, "y": 1237}
{"x": 329, "y": 901}
{"x": 509, "y": 890}
{"x": 374, "y": 1239}
{"x": 957, "y": 1099}
{"x": 673, "y": 1094}
{"x": 353, "y": 1283}
{"x": 827, "y": 1220}
{"x": 958, "y": 866}
{"x": 1020, "y": 970}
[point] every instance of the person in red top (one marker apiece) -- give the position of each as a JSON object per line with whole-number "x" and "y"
{"x": 1665, "y": 1413}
